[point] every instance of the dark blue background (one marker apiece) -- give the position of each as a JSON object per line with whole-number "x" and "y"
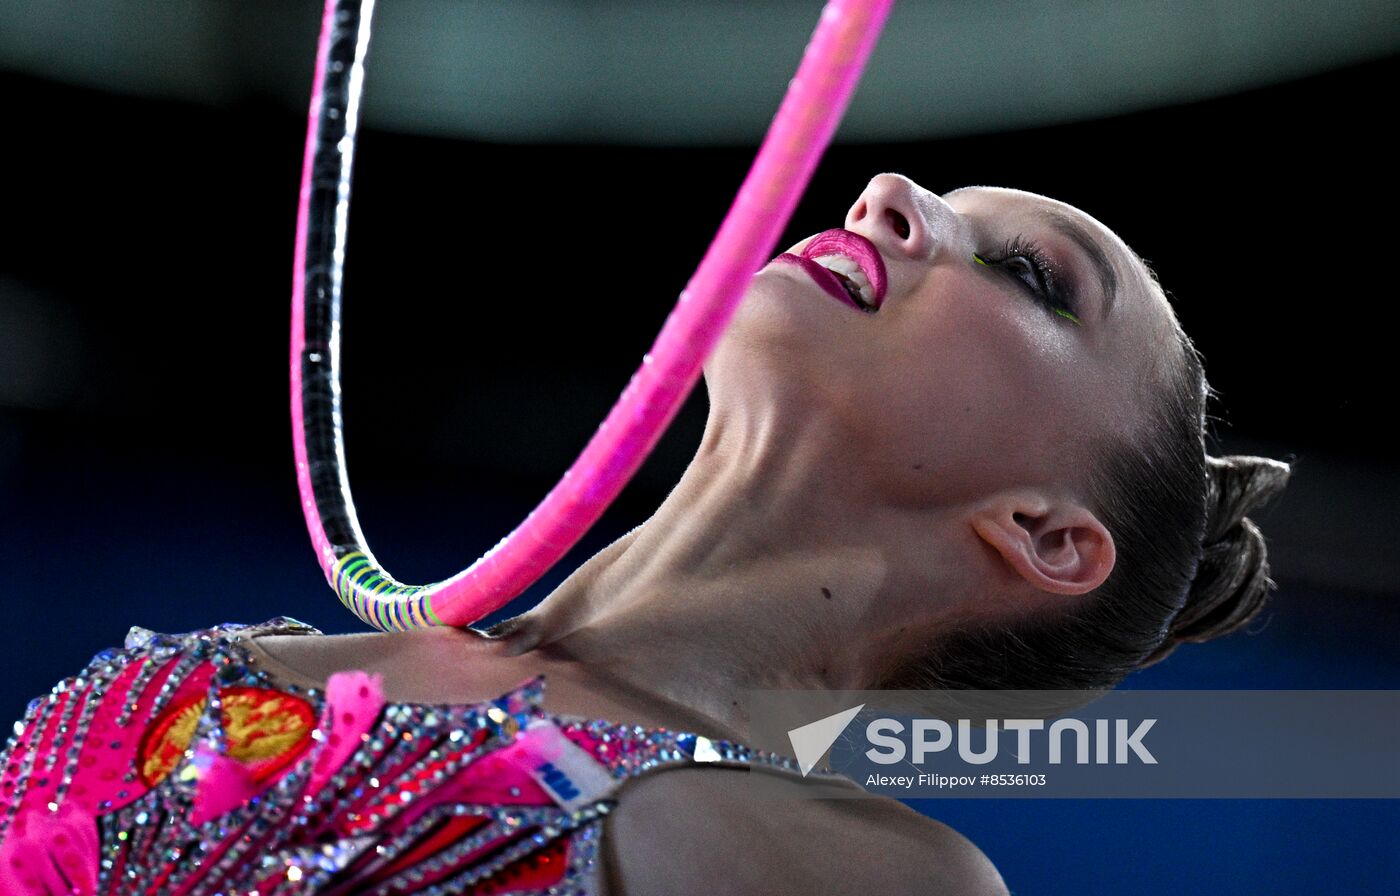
{"x": 176, "y": 549}
{"x": 146, "y": 478}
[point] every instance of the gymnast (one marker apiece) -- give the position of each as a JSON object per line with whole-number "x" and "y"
{"x": 957, "y": 443}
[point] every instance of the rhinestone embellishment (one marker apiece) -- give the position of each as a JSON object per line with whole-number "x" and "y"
{"x": 426, "y": 801}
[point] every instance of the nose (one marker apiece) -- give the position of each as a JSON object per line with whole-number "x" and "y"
{"x": 902, "y": 217}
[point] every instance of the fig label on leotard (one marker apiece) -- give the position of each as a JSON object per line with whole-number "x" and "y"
{"x": 571, "y": 776}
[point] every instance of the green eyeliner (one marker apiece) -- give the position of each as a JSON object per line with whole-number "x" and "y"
{"x": 1062, "y": 312}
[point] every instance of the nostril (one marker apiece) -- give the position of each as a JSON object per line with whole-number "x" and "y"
{"x": 898, "y": 222}
{"x": 858, "y": 213}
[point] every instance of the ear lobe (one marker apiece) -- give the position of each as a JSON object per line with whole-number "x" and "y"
{"x": 1059, "y": 548}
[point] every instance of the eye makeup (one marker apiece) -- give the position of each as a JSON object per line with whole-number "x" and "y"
{"x": 1026, "y": 263}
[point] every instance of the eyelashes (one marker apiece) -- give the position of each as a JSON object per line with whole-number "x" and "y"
{"x": 1028, "y": 264}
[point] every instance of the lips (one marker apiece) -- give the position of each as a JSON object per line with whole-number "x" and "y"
{"x": 824, "y": 278}
{"x": 846, "y": 265}
{"x": 858, "y": 249}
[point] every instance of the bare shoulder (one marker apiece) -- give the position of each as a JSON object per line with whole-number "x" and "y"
{"x": 934, "y": 856}
{"x": 713, "y": 830}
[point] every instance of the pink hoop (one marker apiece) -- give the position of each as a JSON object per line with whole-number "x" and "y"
{"x": 801, "y": 130}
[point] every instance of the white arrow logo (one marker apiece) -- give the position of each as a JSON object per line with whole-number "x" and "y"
{"x": 811, "y": 741}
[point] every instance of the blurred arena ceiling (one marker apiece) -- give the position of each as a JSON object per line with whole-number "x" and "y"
{"x": 669, "y": 72}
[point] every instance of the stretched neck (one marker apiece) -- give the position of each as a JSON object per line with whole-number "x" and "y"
{"x": 756, "y": 572}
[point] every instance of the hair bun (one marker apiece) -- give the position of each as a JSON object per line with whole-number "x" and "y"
{"x": 1232, "y": 580}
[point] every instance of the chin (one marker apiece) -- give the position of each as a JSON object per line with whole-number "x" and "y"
{"x": 774, "y": 321}
{"x": 784, "y": 306}
{"x": 783, "y": 336}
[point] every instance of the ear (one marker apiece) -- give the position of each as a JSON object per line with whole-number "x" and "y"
{"x": 1056, "y": 545}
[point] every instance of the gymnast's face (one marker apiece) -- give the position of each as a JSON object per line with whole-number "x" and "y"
{"x": 1014, "y": 335}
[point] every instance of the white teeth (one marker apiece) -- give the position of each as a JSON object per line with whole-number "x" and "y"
{"x": 851, "y": 271}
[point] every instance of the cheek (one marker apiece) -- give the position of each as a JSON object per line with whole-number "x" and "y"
{"x": 987, "y": 389}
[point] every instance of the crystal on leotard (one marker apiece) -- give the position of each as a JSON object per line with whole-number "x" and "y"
{"x": 197, "y": 770}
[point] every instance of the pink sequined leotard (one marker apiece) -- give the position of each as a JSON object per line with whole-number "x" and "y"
{"x": 178, "y": 766}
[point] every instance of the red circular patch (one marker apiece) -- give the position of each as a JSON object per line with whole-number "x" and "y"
{"x": 265, "y": 729}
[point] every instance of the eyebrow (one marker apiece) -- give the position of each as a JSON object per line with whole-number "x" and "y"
{"x": 1074, "y": 231}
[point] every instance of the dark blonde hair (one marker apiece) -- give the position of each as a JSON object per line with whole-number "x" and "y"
{"x": 1190, "y": 565}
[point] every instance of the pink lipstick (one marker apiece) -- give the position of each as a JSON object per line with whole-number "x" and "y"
{"x": 823, "y": 277}
{"x": 858, "y": 249}
{"x": 850, "y": 269}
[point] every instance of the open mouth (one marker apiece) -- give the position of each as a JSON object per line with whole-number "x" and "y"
{"x": 852, "y": 279}
{"x": 842, "y": 289}
{"x": 855, "y": 263}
